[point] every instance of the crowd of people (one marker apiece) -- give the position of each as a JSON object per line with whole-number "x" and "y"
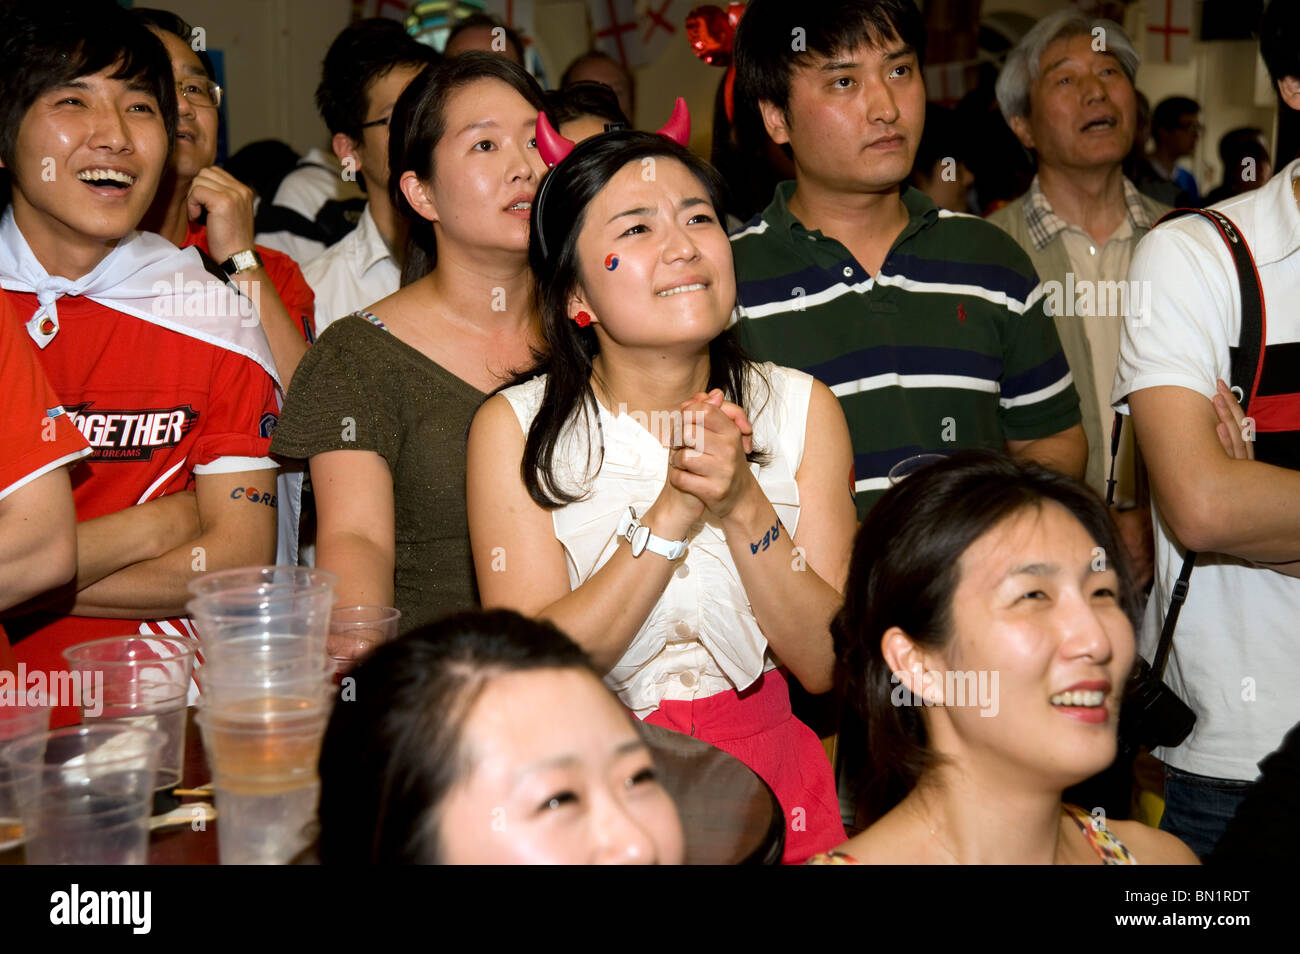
{"x": 628, "y": 441}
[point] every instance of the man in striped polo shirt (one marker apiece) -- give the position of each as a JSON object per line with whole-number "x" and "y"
{"x": 928, "y": 325}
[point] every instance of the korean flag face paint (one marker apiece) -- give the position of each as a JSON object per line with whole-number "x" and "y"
{"x": 611, "y": 262}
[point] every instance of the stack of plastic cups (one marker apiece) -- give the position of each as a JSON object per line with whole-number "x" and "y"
{"x": 142, "y": 681}
{"x": 266, "y": 692}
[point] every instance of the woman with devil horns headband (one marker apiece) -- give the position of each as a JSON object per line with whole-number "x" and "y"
{"x": 677, "y": 509}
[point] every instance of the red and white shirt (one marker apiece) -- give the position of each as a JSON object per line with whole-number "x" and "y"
{"x": 157, "y": 407}
{"x": 36, "y": 433}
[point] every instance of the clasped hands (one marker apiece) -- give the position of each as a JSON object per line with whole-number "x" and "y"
{"x": 709, "y": 470}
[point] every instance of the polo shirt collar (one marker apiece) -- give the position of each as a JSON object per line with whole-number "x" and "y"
{"x": 1045, "y": 225}
{"x": 370, "y": 245}
{"x": 921, "y": 211}
{"x": 1275, "y": 232}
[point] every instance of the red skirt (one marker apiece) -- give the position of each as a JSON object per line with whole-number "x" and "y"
{"x": 757, "y": 727}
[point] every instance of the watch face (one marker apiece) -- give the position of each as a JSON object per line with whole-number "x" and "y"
{"x": 640, "y": 537}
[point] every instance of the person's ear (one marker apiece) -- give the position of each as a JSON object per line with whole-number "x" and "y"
{"x": 909, "y": 664}
{"x": 417, "y": 194}
{"x": 578, "y": 302}
{"x": 774, "y": 121}
{"x": 1289, "y": 88}
{"x": 1024, "y": 132}
{"x": 348, "y": 151}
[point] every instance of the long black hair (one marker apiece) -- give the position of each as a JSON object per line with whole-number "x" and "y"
{"x": 418, "y": 123}
{"x": 393, "y": 753}
{"x": 904, "y": 572}
{"x": 559, "y": 211}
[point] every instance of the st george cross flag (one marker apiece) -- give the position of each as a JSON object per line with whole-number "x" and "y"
{"x": 1168, "y": 31}
{"x": 615, "y": 27}
{"x": 662, "y": 23}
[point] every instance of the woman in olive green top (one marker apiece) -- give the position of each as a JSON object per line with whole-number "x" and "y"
{"x": 381, "y": 404}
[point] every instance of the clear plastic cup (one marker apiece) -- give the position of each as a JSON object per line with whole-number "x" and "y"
{"x": 262, "y": 601}
{"x": 142, "y": 681}
{"x": 20, "y": 718}
{"x": 266, "y": 578}
{"x": 263, "y": 753}
{"x": 263, "y": 654}
{"x": 85, "y": 793}
{"x": 259, "y": 667}
{"x": 356, "y": 631}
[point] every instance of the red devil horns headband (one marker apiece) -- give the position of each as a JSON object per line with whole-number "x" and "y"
{"x": 555, "y": 147}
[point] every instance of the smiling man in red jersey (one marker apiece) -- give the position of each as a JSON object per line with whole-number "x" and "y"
{"x": 162, "y": 367}
{"x": 928, "y": 325}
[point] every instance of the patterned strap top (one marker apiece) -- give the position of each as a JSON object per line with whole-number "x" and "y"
{"x": 371, "y": 318}
{"x": 1103, "y": 841}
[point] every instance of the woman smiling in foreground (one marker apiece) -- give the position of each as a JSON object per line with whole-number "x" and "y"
{"x": 983, "y": 573}
{"x": 668, "y": 556}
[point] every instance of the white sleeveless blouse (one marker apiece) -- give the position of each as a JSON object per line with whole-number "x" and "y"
{"x": 701, "y": 638}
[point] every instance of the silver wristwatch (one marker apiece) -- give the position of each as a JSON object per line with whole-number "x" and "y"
{"x": 642, "y": 539}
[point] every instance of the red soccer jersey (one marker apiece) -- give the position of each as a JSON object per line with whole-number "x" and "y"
{"x": 298, "y": 298}
{"x": 34, "y": 430}
{"x": 157, "y": 407}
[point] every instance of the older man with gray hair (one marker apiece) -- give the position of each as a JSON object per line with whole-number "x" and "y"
{"x": 1067, "y": 93}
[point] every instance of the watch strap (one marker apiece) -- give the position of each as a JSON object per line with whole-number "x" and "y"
{"x": 639, "y": 535}
{"x": 244, "y": 261}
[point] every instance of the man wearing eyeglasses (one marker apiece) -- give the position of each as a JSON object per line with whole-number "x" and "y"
{"x": 367, "y": 67}
{"x": 192, "y": 185}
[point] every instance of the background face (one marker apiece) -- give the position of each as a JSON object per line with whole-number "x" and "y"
{"x": 487, "y": 167}
{"x": 372, "y": 151}
{"x": 674, "y": 283}
{"x": 1082, "y": 108}
{"x": 196, "y": 135}
{"x": 598, "y": 70}
{"x": 558, "y": 776}
{"x": 1031, "y": 607}
{"x": 70, "y": 142}
{"x": 855, "y": 119}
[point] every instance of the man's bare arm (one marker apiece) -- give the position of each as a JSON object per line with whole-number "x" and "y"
{"x": 1065, "y": 452}
{"x": 1213, "y": 503}
{"x": 38, "y": 542}
{"x": 234, "y": 531}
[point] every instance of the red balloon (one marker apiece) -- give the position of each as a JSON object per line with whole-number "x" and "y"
{"x": 711, "y": 34}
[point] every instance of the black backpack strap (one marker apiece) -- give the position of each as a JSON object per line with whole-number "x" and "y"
{"x": 1246, "y": 362}
{"x": 1248, "y": 357}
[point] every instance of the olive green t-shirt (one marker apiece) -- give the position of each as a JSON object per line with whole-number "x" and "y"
{"x": 361, "y": 388}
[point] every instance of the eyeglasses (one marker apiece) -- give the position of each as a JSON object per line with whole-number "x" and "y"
{"x": 376, "y": 122}
{"x": 200, "y": 93}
